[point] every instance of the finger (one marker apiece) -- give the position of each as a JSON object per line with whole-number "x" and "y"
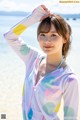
{"x": 45, "y": 16}
{"x": 44, "y": 7}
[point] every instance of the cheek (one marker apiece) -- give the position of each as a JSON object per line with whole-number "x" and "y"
{"x": 61, "y": 41}
{"x": 58, "y": 45}
{"x": 40, "y": 44}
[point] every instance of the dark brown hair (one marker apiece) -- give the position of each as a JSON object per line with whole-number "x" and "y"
{"x": 62, "y": 28}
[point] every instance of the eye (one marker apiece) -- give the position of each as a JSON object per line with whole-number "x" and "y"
{"x": 42, "y": 34}
{"x": 53, "y": 35}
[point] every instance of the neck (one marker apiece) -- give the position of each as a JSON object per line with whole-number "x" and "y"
{"x": 54, "y": 60}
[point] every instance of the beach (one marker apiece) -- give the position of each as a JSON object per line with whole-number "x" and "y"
{"x": 11, "y": 83}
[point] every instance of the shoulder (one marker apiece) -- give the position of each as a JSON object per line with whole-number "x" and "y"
{"x": 71, "y": 81}
{"x": 70, "y": 73}
{"x": 69, "y": 76}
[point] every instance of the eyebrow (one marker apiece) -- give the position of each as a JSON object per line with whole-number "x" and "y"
{"x": 53, "y": 32}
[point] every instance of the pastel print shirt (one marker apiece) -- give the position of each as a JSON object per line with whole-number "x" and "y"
{"x": 42, "y": 101}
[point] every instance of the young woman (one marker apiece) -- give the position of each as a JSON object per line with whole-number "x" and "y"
{"x": 48, "y": 77}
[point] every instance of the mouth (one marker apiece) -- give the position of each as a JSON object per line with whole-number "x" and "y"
{"x": 48, "y": 47}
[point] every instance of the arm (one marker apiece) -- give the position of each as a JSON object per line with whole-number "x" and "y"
{"x": 71, "y": 99}
{"x": 24, "y": 51}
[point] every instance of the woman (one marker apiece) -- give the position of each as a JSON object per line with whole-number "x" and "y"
{"x": 48, "y": 77}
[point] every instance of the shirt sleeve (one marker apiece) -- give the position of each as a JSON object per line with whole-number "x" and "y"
{"x": 24, "y": 51}
{"x": 71, "y": 99}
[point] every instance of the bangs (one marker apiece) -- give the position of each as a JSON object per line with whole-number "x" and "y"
{"x": 44, "y": 26}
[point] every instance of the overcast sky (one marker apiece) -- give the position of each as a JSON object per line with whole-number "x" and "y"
{"x": 29, "y": 5}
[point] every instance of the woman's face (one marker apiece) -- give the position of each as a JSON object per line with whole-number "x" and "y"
{"x": 51, "y": 42}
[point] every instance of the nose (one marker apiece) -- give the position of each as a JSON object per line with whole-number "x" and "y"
{"x": 47, "y": 39}
{"x": 47, "y": 42}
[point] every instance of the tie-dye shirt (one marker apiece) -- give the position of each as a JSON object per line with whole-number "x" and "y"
{"x": 42, "y": 101}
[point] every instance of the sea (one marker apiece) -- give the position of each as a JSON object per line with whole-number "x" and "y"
{"x": 30, "y": 37}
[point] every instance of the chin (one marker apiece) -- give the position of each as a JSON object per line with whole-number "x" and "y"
{"x": 48, "y": 52}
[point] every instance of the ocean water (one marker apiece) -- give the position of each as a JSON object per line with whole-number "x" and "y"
{"x": 29, "y": 36}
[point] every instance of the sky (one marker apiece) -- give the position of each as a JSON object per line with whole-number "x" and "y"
{"x": 29, "y": 5}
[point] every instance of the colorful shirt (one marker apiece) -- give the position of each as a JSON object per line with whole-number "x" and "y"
{"x": 42, "y": 101}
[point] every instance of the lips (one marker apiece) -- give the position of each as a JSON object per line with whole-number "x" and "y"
{"x": 47, "y": 46}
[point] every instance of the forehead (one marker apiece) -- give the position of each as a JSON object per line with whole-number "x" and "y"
{"x": 46, "y": 27}
{"x": 53, "y": 29}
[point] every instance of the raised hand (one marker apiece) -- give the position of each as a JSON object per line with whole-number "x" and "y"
{"x": 47, "y": 11}
{"x": 41, "y": 12}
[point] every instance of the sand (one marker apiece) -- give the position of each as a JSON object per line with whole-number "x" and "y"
{"x": 12, "y": 72}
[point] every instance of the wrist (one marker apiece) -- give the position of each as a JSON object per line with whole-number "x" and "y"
{"x": 34, "y": 17}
